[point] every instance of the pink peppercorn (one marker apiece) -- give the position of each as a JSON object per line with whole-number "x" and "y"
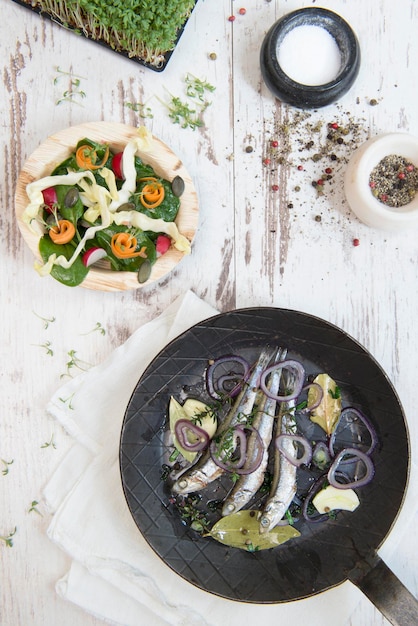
{"x": 231, "y": 18}
{"x": 410, "y": 167}
{"x": 300, "y": 168}
{"x": 242, "y": 11}
{"x": 275, "y": 187}
{"x": 334, "y": 125}
{"x": 372, "y": 184}
{"x": 356, "y": 242}
{"x": 401, "y": 175}
{"x": 328, "y": 170}
{"x": 274, "y": 143}
{"x": 266, "y": 161}
{"x": 320, "y": 182}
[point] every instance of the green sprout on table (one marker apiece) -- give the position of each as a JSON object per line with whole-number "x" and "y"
{"x": 47, "y": 346}
{"x": 141, "y": 108}
{"x": 188, "y": 113}
{"x": 6, "y": 464}
{"x": 74, "y": 361}
{"x": 8, "y": 539}
{"x": 46, "y": 320}
{"x": 99, "y": 327}
{"x": 68, "y": 401}
{"x": 74, "y": 91}
{"x": 33, "y": 508}
{"x": 50, "y": 443}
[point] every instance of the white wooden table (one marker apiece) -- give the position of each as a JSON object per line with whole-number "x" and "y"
{"x": 289, "y": 248}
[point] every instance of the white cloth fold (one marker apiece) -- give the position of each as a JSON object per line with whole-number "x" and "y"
{"x": 114, "y": 573}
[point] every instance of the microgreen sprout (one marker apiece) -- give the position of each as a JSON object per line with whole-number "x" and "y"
{"x": 6, "y": 464}
{"x": 74, "y": 91}
{"x": 33, "y": 508}
{"x": 196, "y": 88}
{"x": 46, "y": 320}
{"x": 68, "y": 401}
{"x": 188, "y": 113}
{"x": 8, "y": 539}
{"x": 141, "y": 108}
{"x": 50, "y": 443}
{"x": 47, "y": 345}
{"x": 74, "y": 361}
{"x": 99, "y": 327}
{"x": 335, "y": 394}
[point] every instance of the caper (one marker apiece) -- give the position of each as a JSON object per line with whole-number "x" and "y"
{"x": 144, "y": 271}
{"x": 71, "y": 198}
{"x": 126, "y": 206}
{"x": 177, "y": 186}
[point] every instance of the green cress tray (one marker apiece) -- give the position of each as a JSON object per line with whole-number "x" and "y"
{"x": 158, "y": 65}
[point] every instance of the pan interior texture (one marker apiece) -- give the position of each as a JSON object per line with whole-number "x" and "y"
{"x": 325, "y": 553}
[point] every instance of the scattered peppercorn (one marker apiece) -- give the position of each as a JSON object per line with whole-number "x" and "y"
{"x": 231, "y": 18}
{"x": 373, "y": 102}
{"x": 356, "y": 242}
{"x": 334, "y": 125}
{"x": 213, "y": 56}
{"x": 300, "y": 168}
{"x": 328, "y": 170}
{"x": 275, "y": 187}
{"x": 266, "y": 161}
{"x": 242, "y": 11}
{"x": 274, "y": 143}
{"x": 318, "y": 218}
{"x": 249, "y": 149}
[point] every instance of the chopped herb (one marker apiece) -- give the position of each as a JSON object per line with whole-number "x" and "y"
{"x": 191, "y": 515}
{"x": 336, "y": 393}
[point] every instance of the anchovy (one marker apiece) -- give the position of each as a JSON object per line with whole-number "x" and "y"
{"x": 248, "y": 484}
{"x": 283, "y": 488}
{"x": 206, "y": 470}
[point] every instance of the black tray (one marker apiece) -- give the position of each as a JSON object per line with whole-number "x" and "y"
{"x": 164, "y": 58}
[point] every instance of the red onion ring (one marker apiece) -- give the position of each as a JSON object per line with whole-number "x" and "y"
{"x": 354, "y": 455}
{"x": 183, "y": 427}
{"x": 320, "y": 393}
{"x": 296, "y": 439}
{"x": 358, "y": 415}
{"x": 237, "y": 466}
{"x": 212, "y": 385}
{"x": 296, "y": 368}
{"x": 319, "y": 517}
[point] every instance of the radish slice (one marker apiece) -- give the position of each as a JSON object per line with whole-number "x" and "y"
{"x": 162, "y": 244}
{"x": 93, "y": 255}
{"x": 117, "y": 165}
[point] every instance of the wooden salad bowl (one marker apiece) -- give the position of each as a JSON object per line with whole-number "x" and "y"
{"x": 165, "y": 163}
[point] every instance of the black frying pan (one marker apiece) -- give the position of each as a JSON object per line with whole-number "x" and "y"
{"x": 324, "y": 555}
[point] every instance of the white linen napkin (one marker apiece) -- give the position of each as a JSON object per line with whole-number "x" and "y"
{"x": 114, "y": 574}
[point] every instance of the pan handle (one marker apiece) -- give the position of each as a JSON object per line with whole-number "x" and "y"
{"x": 386, "y": 592}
